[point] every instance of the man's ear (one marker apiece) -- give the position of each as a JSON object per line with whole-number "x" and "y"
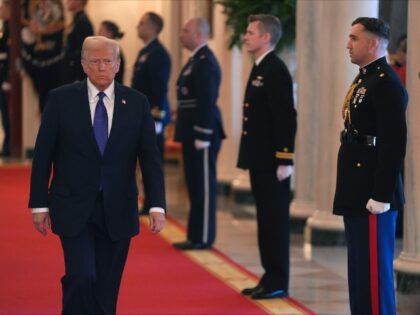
{"x": 373, "y": 44}
{"x": 267, "y": 37}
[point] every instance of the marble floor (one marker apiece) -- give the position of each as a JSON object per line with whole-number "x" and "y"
{"x": 318, "y": 273}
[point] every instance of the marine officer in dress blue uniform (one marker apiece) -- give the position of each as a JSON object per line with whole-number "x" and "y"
{"x": 199, "y": 128}
{"x": 369, "y": 189}
{"x": 267, "y": 150}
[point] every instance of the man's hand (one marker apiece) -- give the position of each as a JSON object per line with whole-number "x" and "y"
{"x": 156, "y": 221}
{"x": 284, "y": 171}
{"x": 200, "y": 144}
{"x": 376, "y": 207}
{"x": 41, "y": 222}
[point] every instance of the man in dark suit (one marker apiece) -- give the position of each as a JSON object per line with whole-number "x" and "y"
{"x": 92, "y": 134}
{"x": 80, "y": 28}
{"x": 266, "y": 149}
{"x": 199, "y": 128}
{"x": 369, "y": 187}
{"x": 151, "y": 72}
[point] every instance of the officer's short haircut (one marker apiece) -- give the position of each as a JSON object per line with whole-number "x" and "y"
{"x": 373, "y": 25}
{"x": 156, "y": 20}
{"x": 377, "y": 27}
{"x": 203, "y": 26}
{"x": 268, "y": 24}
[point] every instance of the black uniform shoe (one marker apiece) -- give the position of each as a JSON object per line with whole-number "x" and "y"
{"x": 187, "y": 245}
{"x": 269, "y": 294}
{"x": 249, "y": 291}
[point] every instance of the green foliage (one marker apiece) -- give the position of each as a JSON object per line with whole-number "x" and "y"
{"x": 237, "y": 12}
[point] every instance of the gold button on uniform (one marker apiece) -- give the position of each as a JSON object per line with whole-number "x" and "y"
{"x": 246, "y": 105}
{"x": 359, "y": 164}
{"x": 244, "y": 133}
{"x": 246, "y": 118}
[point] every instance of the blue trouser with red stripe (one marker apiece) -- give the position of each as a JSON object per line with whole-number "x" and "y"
{"x": 370, "y": 250}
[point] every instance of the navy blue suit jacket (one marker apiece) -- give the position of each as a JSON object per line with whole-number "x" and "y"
{"x": 66, "y": 144}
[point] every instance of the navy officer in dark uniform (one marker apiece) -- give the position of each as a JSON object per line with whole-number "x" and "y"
{"x": 151, "y": 72}
{"x": 266, "y": 149}
{"x": 199, "y": 129}
{"x": 369, "y": 188}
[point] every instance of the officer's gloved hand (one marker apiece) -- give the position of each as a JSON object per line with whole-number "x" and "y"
{"x": 284, "y": 171}
{"x": 200, "y": 144}
{"x": 158, "y": 127}
{"x": 376, "y": 207}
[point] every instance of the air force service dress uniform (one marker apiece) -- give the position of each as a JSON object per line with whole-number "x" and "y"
{"x": 369, "y": 166}
{"x": 150, "y": 77}
{"x": 198, "y": 117}
{"x": 267, "y": 141}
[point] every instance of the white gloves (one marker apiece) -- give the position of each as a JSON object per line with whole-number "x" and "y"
{"x": 158, "y": 127}
{"x": 376, "y": 207}
{"x": 284, "y": 171}
{"x": 200, "y": 144}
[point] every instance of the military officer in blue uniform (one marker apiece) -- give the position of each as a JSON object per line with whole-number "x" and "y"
{"x": 199, "y": 129}
{"x": 151, "y": 72}
{"x": 369, "y": 188}
{"x": 267, "y": 150}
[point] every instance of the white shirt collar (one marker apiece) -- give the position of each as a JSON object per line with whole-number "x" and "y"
{"x": 93, "y": 90}
{"x": 197, "y": 49}
{"x": 258, "y": 61}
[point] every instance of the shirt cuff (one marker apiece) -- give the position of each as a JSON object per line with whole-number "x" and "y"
{"x": 157, "y": 209}
{"x": 40, "y": 210}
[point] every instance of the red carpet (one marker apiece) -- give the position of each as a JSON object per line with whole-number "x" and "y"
{"x": 157, "y": 280}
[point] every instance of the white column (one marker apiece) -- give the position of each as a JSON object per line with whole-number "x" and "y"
{"x": 329, "y": 76}
{"x": 407, "y": 266}
{"x": 230, "y": 97}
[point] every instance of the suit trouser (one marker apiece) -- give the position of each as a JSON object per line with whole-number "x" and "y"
{"x": 200, "y": 175}
{"x": 370, "y": 249}
{"x": 94, "y": 266}
{"x": 272, "y": 199}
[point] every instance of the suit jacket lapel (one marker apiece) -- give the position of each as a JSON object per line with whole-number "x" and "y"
{"x": 119, "y": 103}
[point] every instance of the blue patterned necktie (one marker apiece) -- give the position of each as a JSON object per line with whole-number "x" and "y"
{"x": 100, "y": 123}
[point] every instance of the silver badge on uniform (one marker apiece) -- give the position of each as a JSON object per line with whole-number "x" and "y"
{"x": 258, "y": 82}
{"x": 143, "y": 58}
{"x": 184, "y": 90}
{"x": 187, "y": 71}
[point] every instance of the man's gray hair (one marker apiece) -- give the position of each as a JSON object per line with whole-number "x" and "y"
{"x": 268, "y": 24}
{"x": 92, "y": 42}
{"x": 203, "y": 26}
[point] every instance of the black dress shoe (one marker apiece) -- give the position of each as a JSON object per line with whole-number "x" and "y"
{"x": 269, "y": 294}
{"x": 190, "y": 245}
{"x": 249, "y": 291}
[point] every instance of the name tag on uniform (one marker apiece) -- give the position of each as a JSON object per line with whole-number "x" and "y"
{"x": 258, "y": 82}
